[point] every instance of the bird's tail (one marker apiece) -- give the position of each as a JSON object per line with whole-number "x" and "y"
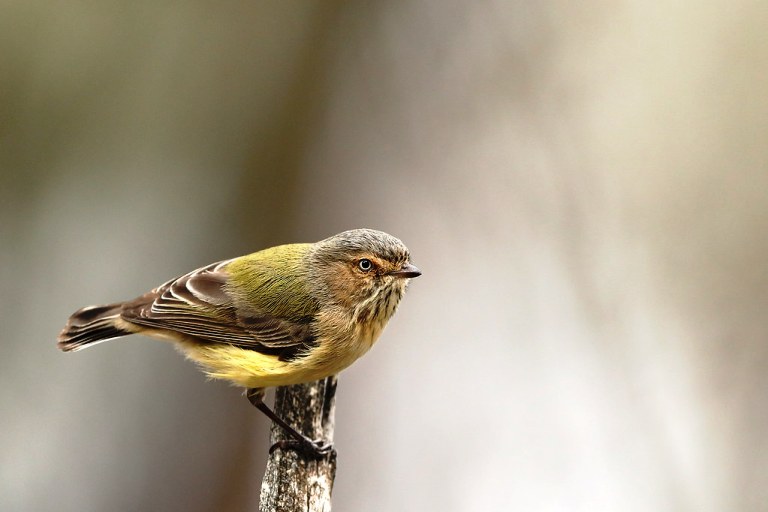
{"x": 91, "y": 325}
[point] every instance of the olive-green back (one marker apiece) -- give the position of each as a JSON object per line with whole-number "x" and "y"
{"x": 275, "y": 281}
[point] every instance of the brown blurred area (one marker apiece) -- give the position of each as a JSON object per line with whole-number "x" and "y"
{"x": 584, "y": 187}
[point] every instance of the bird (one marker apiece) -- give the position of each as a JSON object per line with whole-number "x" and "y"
{"x": 285, "y": 315}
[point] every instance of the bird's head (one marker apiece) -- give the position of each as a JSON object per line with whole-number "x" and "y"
{"x": 364, "y": 271}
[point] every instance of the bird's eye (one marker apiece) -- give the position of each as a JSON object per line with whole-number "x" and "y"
{"x": 365, "y": 265}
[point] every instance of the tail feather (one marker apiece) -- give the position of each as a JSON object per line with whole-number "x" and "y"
{"x": 91, "y": 325}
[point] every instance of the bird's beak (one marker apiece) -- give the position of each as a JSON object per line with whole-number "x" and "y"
{"x": 407, "y": 271}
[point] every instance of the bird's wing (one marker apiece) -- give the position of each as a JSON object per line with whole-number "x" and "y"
{"x": 198, "y": 305}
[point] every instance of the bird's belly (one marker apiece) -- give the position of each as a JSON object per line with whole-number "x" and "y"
{"x": 252, "y": 369}
{"x": 334, "y": 354}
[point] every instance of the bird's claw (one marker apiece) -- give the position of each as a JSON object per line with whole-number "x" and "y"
{"x": 313, "y": 449}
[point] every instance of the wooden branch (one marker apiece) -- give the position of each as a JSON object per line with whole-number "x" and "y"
{"x": 294, "y": 481}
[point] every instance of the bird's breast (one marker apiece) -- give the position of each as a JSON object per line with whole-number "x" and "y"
{"x": 341, "y": 340}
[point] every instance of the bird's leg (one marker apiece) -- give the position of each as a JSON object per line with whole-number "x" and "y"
{"x": 299, "y": 441}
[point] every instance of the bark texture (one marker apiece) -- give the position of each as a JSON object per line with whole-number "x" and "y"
{"x": 294, "y": 481}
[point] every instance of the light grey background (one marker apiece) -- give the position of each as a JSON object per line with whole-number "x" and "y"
{"x": 583, "y": 185}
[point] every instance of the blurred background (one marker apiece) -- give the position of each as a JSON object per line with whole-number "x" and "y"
{"x": 584, "y": 185}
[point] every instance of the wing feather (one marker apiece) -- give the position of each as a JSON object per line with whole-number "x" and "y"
{"x": 198, "y": 304}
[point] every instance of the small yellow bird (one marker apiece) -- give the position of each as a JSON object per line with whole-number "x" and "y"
{"x": 285, "y": 315}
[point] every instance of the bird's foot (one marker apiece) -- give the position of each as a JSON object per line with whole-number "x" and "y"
{"x": 313, "y": 449}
